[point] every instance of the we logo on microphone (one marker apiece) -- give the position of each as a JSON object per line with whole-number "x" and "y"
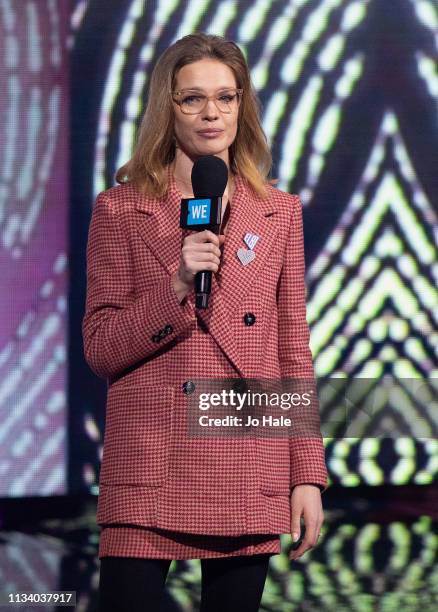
{"x": 199, "y": 211}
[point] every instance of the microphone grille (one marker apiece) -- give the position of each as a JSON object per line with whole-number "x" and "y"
{"x": 209, "y": 176}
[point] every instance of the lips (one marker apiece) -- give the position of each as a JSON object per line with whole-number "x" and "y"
{"x": 209, "y": 131}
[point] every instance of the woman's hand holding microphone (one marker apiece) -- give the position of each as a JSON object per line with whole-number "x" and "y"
{"x": 200, "y": 251}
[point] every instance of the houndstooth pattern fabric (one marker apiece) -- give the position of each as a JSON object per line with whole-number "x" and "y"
{"x": 152, "y": 473}
{"x": 150, "y": 543}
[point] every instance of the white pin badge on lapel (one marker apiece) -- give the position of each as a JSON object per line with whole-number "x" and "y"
{"x": 246, "y": 256}
{"x": 251, "y": 240}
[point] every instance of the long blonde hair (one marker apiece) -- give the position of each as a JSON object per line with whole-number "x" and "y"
{"x": 249, "y": 154}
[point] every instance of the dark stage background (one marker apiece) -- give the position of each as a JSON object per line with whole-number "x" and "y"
{"x": 349, "y": 92}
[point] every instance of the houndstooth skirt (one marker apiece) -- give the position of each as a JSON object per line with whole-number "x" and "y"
{"x": 150, "y": 542}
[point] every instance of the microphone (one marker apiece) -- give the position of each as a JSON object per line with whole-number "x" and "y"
{"x": 203, "y": 211}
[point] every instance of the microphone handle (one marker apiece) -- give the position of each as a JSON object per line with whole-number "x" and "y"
{"x": 203, "y": 283}
{"x": 202, "y": 288}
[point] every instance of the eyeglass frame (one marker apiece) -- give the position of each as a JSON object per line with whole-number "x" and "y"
{"x": 239, "y": 91}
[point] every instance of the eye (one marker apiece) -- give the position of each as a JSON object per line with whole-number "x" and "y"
{"x": 191, "y": 99}
{"x": 227, "y": 97}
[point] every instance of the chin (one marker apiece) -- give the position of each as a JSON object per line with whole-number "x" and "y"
{"x": 213, "y": 149}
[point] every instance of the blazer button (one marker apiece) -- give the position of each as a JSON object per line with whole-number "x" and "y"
{"x": 249, "y": 318}
{"x": 188, "y": 387}
{"x": 162, "y": 333}
{"x": 240, "y": 386}
{"x": 155, "y": 338}
{"x": 168, "y": 329}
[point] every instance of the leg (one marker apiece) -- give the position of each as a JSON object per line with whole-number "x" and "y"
{"x": 129, "y": 584}
{"x": 234, "y": 584}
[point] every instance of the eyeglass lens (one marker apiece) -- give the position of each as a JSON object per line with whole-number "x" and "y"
{"x": 195, "y": 102}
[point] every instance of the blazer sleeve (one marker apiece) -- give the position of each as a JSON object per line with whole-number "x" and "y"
{"x": 307, "y": 453}
{"x": 118, "y": 327}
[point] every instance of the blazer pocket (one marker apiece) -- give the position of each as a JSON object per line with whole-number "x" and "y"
{"x": 138, "y": 435}
{"x": 273, "y": 464}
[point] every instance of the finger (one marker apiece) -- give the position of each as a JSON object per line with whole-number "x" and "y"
{"x": 312, "y": 529}
{"x": 303, "y": 547}
{"x": 204, "y": 266}
{"x": 208, "y": 247}
{"x": 209, "y": 236}
{"x": 204, "y": 250}
{"x": 310, "y": 538}
{"x": 294, "y": 554}
{"x": 207, "y": 256}
{"x": 204, "y": 238}
{"x": 204, "y": 257}
{"x": 296, "y": 523}
{"x": 319, "y": 534}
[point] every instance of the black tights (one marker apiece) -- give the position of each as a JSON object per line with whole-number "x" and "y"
{"x": 138, "y": 585}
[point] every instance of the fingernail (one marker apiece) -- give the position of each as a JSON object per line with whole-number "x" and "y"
{"x": 295, "y": 536}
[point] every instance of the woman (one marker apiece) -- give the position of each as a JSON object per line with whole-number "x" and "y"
{"x": 162, "y": 494}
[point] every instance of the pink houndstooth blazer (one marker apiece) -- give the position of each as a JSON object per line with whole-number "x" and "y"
{"x": 150, "y": 348}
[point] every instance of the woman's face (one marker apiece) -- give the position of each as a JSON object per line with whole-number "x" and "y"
{"x": 210, "y": 77}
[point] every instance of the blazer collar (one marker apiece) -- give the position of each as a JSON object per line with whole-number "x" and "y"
{"x": 158, "y": 225}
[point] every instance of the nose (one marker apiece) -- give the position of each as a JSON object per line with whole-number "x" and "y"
{"x": 210, "y": 110}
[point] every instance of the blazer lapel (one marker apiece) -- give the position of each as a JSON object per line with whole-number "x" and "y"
{"x": 158, "y": 225}
{"x": 248, "y": 214}
{"x": 160, "y": 229}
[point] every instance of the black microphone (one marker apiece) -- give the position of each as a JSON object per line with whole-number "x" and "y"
{"x": 209, "y": 179}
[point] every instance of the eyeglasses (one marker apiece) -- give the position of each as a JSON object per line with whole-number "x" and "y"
{"x": 193, "y": 102}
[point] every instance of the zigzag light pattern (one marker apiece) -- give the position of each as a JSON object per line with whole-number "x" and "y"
{"x": 372, "y": 298}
